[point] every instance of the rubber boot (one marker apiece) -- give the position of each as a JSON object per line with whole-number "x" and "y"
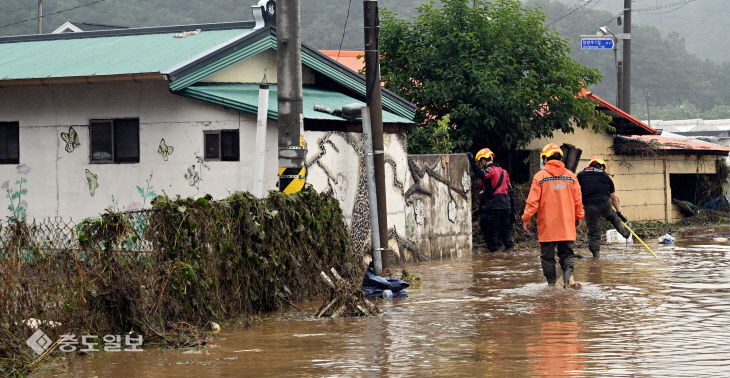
{"x": 567, "y": 277}
{"x": 624, "y": 232}
{"x": 596, "y": 254}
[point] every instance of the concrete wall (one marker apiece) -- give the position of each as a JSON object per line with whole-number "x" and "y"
{"x": 438, "y": 204}
{"x": 57, "y": 181}
{"x": 642, "y": 182}
{"x": 418, "y": 219}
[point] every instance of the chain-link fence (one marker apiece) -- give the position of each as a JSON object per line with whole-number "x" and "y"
{"x": 58, "y": 233}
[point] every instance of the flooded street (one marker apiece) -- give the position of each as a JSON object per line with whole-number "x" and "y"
{"x": 493, "y": 314}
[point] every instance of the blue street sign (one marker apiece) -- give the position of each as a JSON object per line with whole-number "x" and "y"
{"x": 596, "y": 43}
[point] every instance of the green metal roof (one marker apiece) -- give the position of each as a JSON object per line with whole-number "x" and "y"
{"x": 263, "y": 39}
{"x": 245, "y": 97}
{"x": 186, "y": 61}
{"x": 99, "y": 53}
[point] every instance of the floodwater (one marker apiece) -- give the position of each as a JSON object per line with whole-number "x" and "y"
{"x": 493, "y": 314}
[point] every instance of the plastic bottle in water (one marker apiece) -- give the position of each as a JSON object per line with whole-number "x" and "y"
{"x": 387, "y": 293}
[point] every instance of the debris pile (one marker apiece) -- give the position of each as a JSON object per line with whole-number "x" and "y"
{"x": 346, "y": 299}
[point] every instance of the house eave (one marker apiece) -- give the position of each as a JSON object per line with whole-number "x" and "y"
{"x": 83, "y": 79}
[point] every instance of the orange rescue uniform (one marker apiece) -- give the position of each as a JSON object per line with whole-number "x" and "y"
{"x": 556, "y": 198}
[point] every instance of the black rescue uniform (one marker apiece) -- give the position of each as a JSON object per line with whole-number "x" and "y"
{"x": 496, "y": 205}
{"x": 597, "y": 187}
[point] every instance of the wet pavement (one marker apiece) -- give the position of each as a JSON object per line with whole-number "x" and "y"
{"x": 493, "y": 314}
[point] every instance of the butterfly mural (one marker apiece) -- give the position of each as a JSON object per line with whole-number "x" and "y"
{"x": 71, "y": 139}
{"x": 164, "y": 149}
{"x": 192, "y": 176}
{"x": 92, "y": 182}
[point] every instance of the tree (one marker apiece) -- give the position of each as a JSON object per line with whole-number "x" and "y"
{"x": 497, "y": 70}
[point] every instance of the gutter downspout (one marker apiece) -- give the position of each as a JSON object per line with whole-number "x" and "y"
{"x": 667, "y": 193}
{"x": 260, "y": 156}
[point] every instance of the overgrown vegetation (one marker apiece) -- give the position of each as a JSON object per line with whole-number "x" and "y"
{"x": 197, "y": 260}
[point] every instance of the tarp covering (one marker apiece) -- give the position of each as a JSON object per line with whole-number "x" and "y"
{"x": 374, "y": 285}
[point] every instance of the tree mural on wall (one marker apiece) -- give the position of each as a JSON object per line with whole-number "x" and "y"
{"x": 360, "y": 222}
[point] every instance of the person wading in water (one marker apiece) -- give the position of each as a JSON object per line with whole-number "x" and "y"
{"x": 556, "y": 198}
{"x": 496, "y": 200}
{"x": 598, "y": 196}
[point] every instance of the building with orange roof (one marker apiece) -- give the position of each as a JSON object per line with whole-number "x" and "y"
{"x": 354, "y": 60}
{"x": 651, "y": 171}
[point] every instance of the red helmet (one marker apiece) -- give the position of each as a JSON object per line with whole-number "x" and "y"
{"x": 484, "y": 153}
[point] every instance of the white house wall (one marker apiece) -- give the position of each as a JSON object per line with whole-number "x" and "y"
{"x": 57, "y": 181}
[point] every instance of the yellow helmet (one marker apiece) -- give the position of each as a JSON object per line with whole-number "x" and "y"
{"x": 599, "y": 160}
{"x": 484, "y": 153}
{"x": 550, "y": 149}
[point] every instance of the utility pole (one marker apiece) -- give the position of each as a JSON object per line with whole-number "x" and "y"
{"x": 626, "y": 95}
{"x": 374, "y": 102}
{"x": 620, "y": 84}
{"x": 262, "y": 116}
{"x": 40, "y": 16}
{"x": 292, "y": 172}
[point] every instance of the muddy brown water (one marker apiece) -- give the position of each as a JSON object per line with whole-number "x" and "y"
{"x": 493, "y": 315}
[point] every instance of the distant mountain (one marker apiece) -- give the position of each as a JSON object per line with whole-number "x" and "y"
{"x": 323, "y": 21}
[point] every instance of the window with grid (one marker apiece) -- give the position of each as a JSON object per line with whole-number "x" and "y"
{"x": 9, "y": 143}
{"x": 114, "y": 140}
{"x": 221, "y": 145}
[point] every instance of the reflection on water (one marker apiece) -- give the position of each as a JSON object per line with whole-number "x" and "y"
{"x": 493, "y": 314}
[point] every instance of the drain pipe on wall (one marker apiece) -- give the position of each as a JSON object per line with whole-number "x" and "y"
{"x": 367, "y": 141}
{"x": 260, "y": 157}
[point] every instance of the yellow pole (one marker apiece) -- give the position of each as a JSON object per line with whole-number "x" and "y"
{"x": 639, "y": 239}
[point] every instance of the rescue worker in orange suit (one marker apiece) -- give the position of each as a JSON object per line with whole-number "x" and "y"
{"x": 598, "y": 196}
{"x": 556, "y": 198}
{"x": 496, "y": 200}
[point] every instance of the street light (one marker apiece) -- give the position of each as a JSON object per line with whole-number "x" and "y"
{"x": 601, "y": 32}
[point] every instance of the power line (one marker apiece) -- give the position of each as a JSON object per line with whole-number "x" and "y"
{"x": 678, "y": 3}
{"x": 51, "y": 14}
{"x": 702, "y": 21}
{"x": 583, "y": 5}
{"x": 686, "y": 90}
{"x": 343, "y": 30}
{"x": 674, "y": 9}
{"x": 661, "y": 21}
